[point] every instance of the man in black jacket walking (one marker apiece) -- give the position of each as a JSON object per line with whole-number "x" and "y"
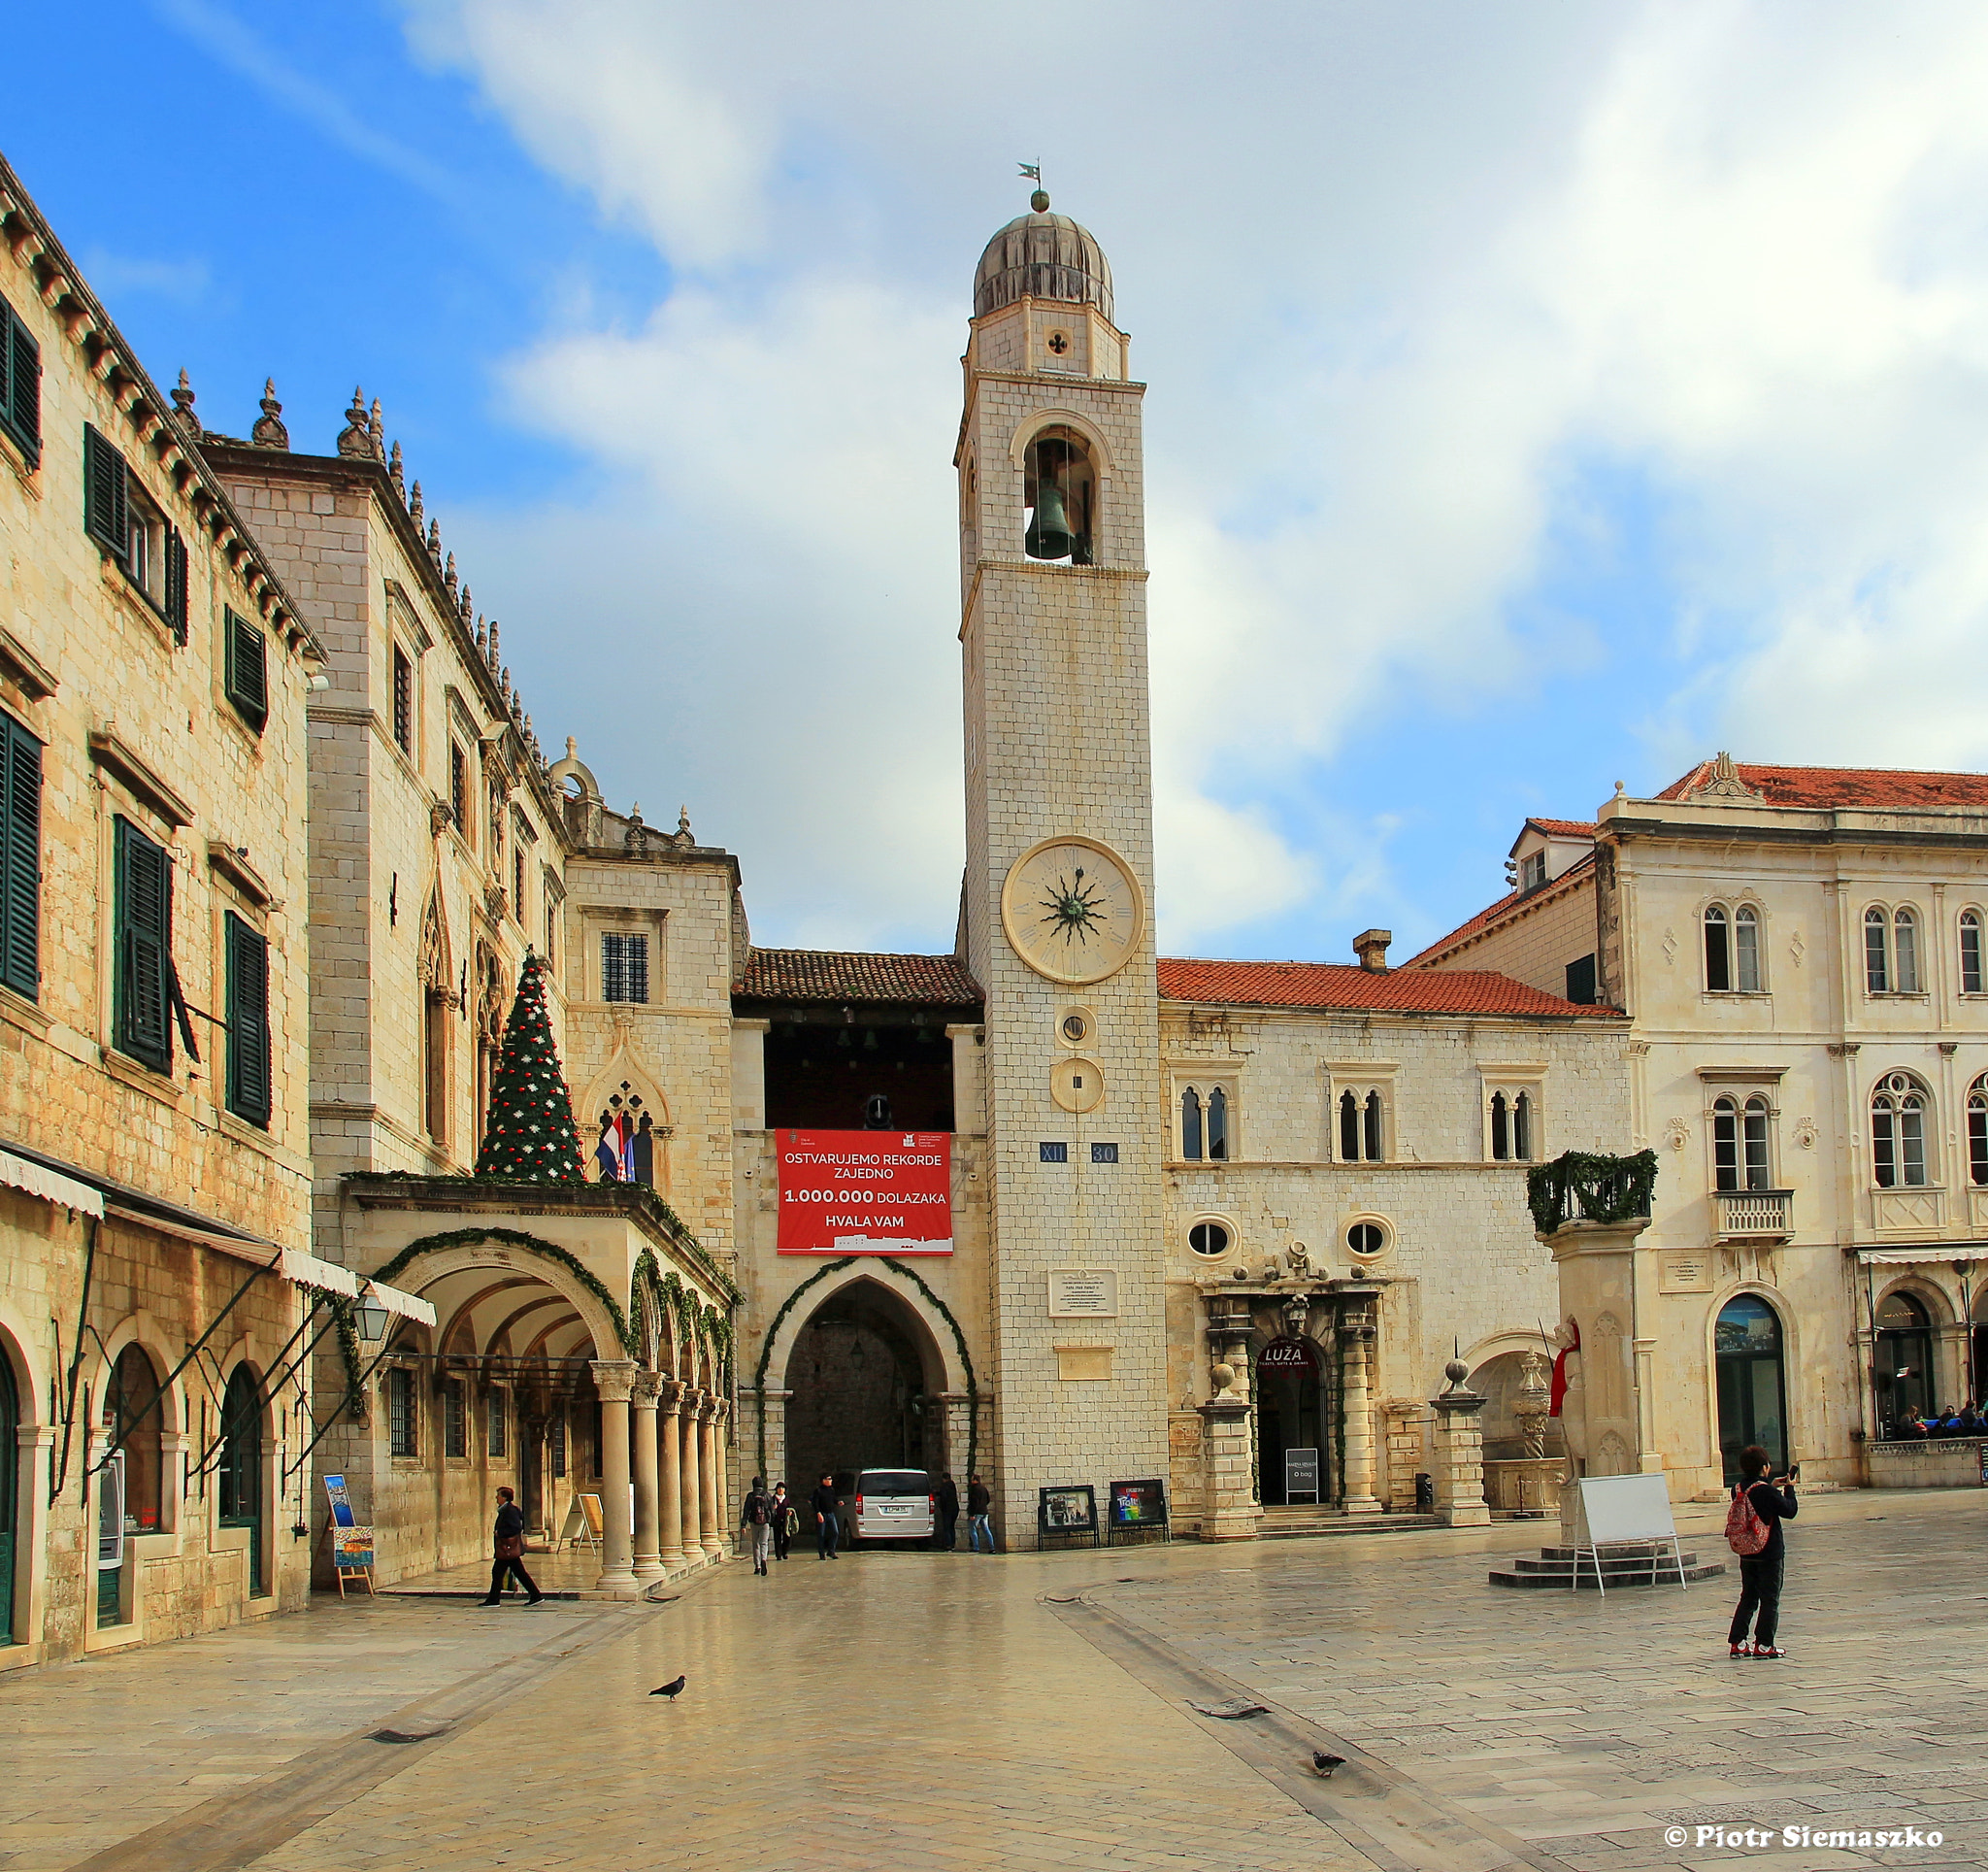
{"x": 1760, "y": 1574}
{"x": 828, "y": 1527}
{"x": 507, "y": 1543}
{"x": 948, "y": 1497}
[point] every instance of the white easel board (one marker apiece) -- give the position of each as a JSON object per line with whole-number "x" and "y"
{"x": 1618, "y": 1509}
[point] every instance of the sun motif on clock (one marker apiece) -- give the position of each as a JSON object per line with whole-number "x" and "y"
{"x": 1073, "y": 910}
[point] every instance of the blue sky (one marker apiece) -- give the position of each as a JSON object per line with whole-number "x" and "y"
{"x": 1537, "y": 399}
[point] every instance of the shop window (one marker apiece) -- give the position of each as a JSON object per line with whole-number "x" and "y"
{"x": 1898, "y": 1132}
{"x": 1904, "y": 1363}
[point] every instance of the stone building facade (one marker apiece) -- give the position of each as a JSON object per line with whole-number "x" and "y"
{"x": 155, "y": 1136}
{"x": 1798, "y": 952}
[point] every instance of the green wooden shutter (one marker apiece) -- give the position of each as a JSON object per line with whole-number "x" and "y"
{"x": 176, "y": 610}
{"x": 246, "y": 671}
{"x": 143, "y": 923}
{"x": 21, "y": 864}
{"x": 106, "y": 511}
{"x": 21, "y": 384}
{"x": 249, "y": 1092}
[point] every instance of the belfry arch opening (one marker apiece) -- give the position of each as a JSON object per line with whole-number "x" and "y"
{"x": 1059, "y": 497}
{"x": 864, "y": 1381}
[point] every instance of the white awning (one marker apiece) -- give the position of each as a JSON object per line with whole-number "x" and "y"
{"x": 408, "y": 1306}
{"x": 48, "y": 1184}
{"x": 307, "y": 1270}
{"x": 1907, "y": 1257}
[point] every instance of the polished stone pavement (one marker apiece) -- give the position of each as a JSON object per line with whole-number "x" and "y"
{"x": 914, "y": 1710}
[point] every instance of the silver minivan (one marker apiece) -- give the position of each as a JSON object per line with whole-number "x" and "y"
{"x": 894, "y": 1505}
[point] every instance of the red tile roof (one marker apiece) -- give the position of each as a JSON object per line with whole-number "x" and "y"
{"x": 841, "y": 975}
{"x": 1826, "y": 786}
{"x": 1491, "y": 913}
{"x": 1337, "y": 986}
{"x": 1565, "y": 828}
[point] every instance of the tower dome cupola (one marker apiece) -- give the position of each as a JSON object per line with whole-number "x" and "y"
{"x": 1042, "y": 256}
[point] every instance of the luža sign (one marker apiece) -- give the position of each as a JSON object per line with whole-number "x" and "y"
{"x": 865, "y": 1193}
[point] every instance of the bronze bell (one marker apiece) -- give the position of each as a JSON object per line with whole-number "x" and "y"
{"x": 1049, "y": 536}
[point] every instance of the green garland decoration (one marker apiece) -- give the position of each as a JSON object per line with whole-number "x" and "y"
{"x": 624, "y": 1332}
{"x": 344, "y": 1310}
{"x": 917, "y": 1279}
{"x": 693, "y": 1318}
{"x": 1588, "y": 1187}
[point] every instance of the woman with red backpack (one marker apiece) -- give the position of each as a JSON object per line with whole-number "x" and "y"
{"x": 1753, "y": 1531}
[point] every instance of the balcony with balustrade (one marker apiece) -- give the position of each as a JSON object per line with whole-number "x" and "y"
{"x": 1755, "y": 1214}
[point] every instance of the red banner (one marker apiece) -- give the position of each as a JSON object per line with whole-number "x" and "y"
{"x": 865, "y": 1193}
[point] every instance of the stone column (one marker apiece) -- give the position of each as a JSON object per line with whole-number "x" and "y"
{"x": 649, "y": 1563}
{"x": 1229, "y": 1511}
{"x": 1459, "y": 1452}
{"x": 614, "y": 1381}
{"x": 670, "y": 1476}
{"x": 690, "y": 1494}
{"x": 1402, "y": 1420}
{"x": 1356, "y": 1331}
{"x": 725, "y": 1427}
{"x": 711, "y": 1511}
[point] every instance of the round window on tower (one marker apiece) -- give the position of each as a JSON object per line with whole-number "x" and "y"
{"x": 1368, "y": 1238}
{"x": 1210, "y": 1240}
{"x": 1076, "y": 1027}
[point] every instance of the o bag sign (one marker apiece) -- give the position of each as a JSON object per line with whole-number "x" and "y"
{"x": 865, "y": 1193}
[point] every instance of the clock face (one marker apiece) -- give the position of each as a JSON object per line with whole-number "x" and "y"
{"x": 1073, "y": 910}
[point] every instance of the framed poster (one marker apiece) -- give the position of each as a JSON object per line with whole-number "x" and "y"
{"x": 864, "y": 1192}
{"x": 341, "y": 1500}
{"x": 1300, "y": 1474}
{"x": 1072, "y": 1509}
{"x": 1137, "y": 1504}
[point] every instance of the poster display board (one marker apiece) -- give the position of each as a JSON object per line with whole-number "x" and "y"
{"x": 351, "y": 1542}
{"x": 1136, "y": 1508}
{"x": 1981, "y": 1450}
{"x": 585, "y": 1523}
{"x": 864, "y": 1192}
{"x": 1069, "y": 1510}
{"x": 1619, "y": 1509}
{"x": 1300, "y": 1474}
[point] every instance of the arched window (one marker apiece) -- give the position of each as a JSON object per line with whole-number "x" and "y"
{"x": 9, "y": 1424}
{"x": 1977, "y": 1130}
{"x": 1898, "y": 1132}
{"x": 1971, "y": 951}
{"x": 1522, "y": 1128}
{"x": 136, "y": 1422}
{"x": 1363, "y": 1126}
{"x": 1740, "y": 1143}
{"x": 1501, "y": 1127}
{"x": 1746, "y": 1346}
{"x": 1746, "y": 949}
{"x": 1218, "y": 1125}
{"x": 1877, "y": 952}
{"x": 1905, "y": 952}
{"x": 1059, "y": 496}
{"x": 241, "y": 1472}
{"x": 1350, "y": 1128}
{"x": 1905, "y": 1359}
{"x": 1190, "y": 1125}
{"x": 1719, "y": 954}
{"x": 1374, "y": 1128}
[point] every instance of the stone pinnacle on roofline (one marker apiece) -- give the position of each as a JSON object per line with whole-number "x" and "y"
{"x": 182, "y": 402}
{"x": 269, "y": 431}
{"x": 353, "y": 439}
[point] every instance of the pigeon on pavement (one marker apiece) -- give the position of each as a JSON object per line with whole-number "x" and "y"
{"x": 668, "y": 1689}
{"x": 1323, "y": 1765}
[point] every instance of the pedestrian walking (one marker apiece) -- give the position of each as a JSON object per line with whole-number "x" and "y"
{"x": 947, "y": 1495}
{"x": 507, "y": 1547}
{"x": 979, "y": 1515}
{"x": 1761, "y": 1503}
{"x": 783, "y": 1519}
{"x": 757, "y": 1519}
{"x": 828, "y": 1527}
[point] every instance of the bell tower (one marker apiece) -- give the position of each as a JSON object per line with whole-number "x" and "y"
{"x": 1059, "y": 866}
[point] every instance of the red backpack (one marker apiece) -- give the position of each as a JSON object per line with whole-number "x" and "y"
{"x": 1745, "y": 1532}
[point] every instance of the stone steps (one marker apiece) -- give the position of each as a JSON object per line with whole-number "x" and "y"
{"x": 1292, "y": 1523}
{"x": 1625, "y": 1565}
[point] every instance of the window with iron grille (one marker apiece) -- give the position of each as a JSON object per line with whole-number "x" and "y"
{"x": 497, "y": 1408}
{"x": 624, "y": 967}
{"x": 459, "y": 788}
{"x": 403, "y": 1437}
{"x": 455, "y": 1419}
{"x": 403, "y": 700}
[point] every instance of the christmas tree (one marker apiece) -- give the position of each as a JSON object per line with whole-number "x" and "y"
{"x": 529, "y": 1133}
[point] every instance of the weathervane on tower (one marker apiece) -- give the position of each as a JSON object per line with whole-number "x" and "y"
{"x": 1040, "y": 200}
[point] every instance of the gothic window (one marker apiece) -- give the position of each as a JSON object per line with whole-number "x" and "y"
{"x": 1514, "y": 1125}
{"x": 1362, "y": 1127}
{"x": 1218, "y": 1125}
{"x": 1350, "y": 1127}
{"x": 1370, "y": 1127}
{"x": 1898, "y": 1132}
{"x": 1877, "y": 952}
{"x": 626, "y": 1150}
{"x": 1059, "y": 492}
{"x": 1971, "y": 951}
{"x": 1977, "y": 1130}
{"x": 1190, "y": 1125}
{"x": 1740, "y": 1155}
{"x": 624, "y": 967}
{"x": 459, "y": 788}
{"x": 1522, "y": 1128}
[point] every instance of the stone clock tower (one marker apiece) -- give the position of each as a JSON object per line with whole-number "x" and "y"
{"x": 1059, "y": 867}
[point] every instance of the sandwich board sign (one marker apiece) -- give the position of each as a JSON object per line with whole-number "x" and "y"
{"x": 584, "y": 1522}
{"x": 1615, "y": 1510}
{"x": 1300, "y": 1474}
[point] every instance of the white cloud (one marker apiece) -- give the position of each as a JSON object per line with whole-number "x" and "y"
{"x": 1397, "y": 294}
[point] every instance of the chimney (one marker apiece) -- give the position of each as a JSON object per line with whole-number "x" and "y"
{"x": 1371, "y": 947}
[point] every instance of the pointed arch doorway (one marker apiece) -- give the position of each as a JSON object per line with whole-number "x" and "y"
{"x": 863, "y": 1380}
